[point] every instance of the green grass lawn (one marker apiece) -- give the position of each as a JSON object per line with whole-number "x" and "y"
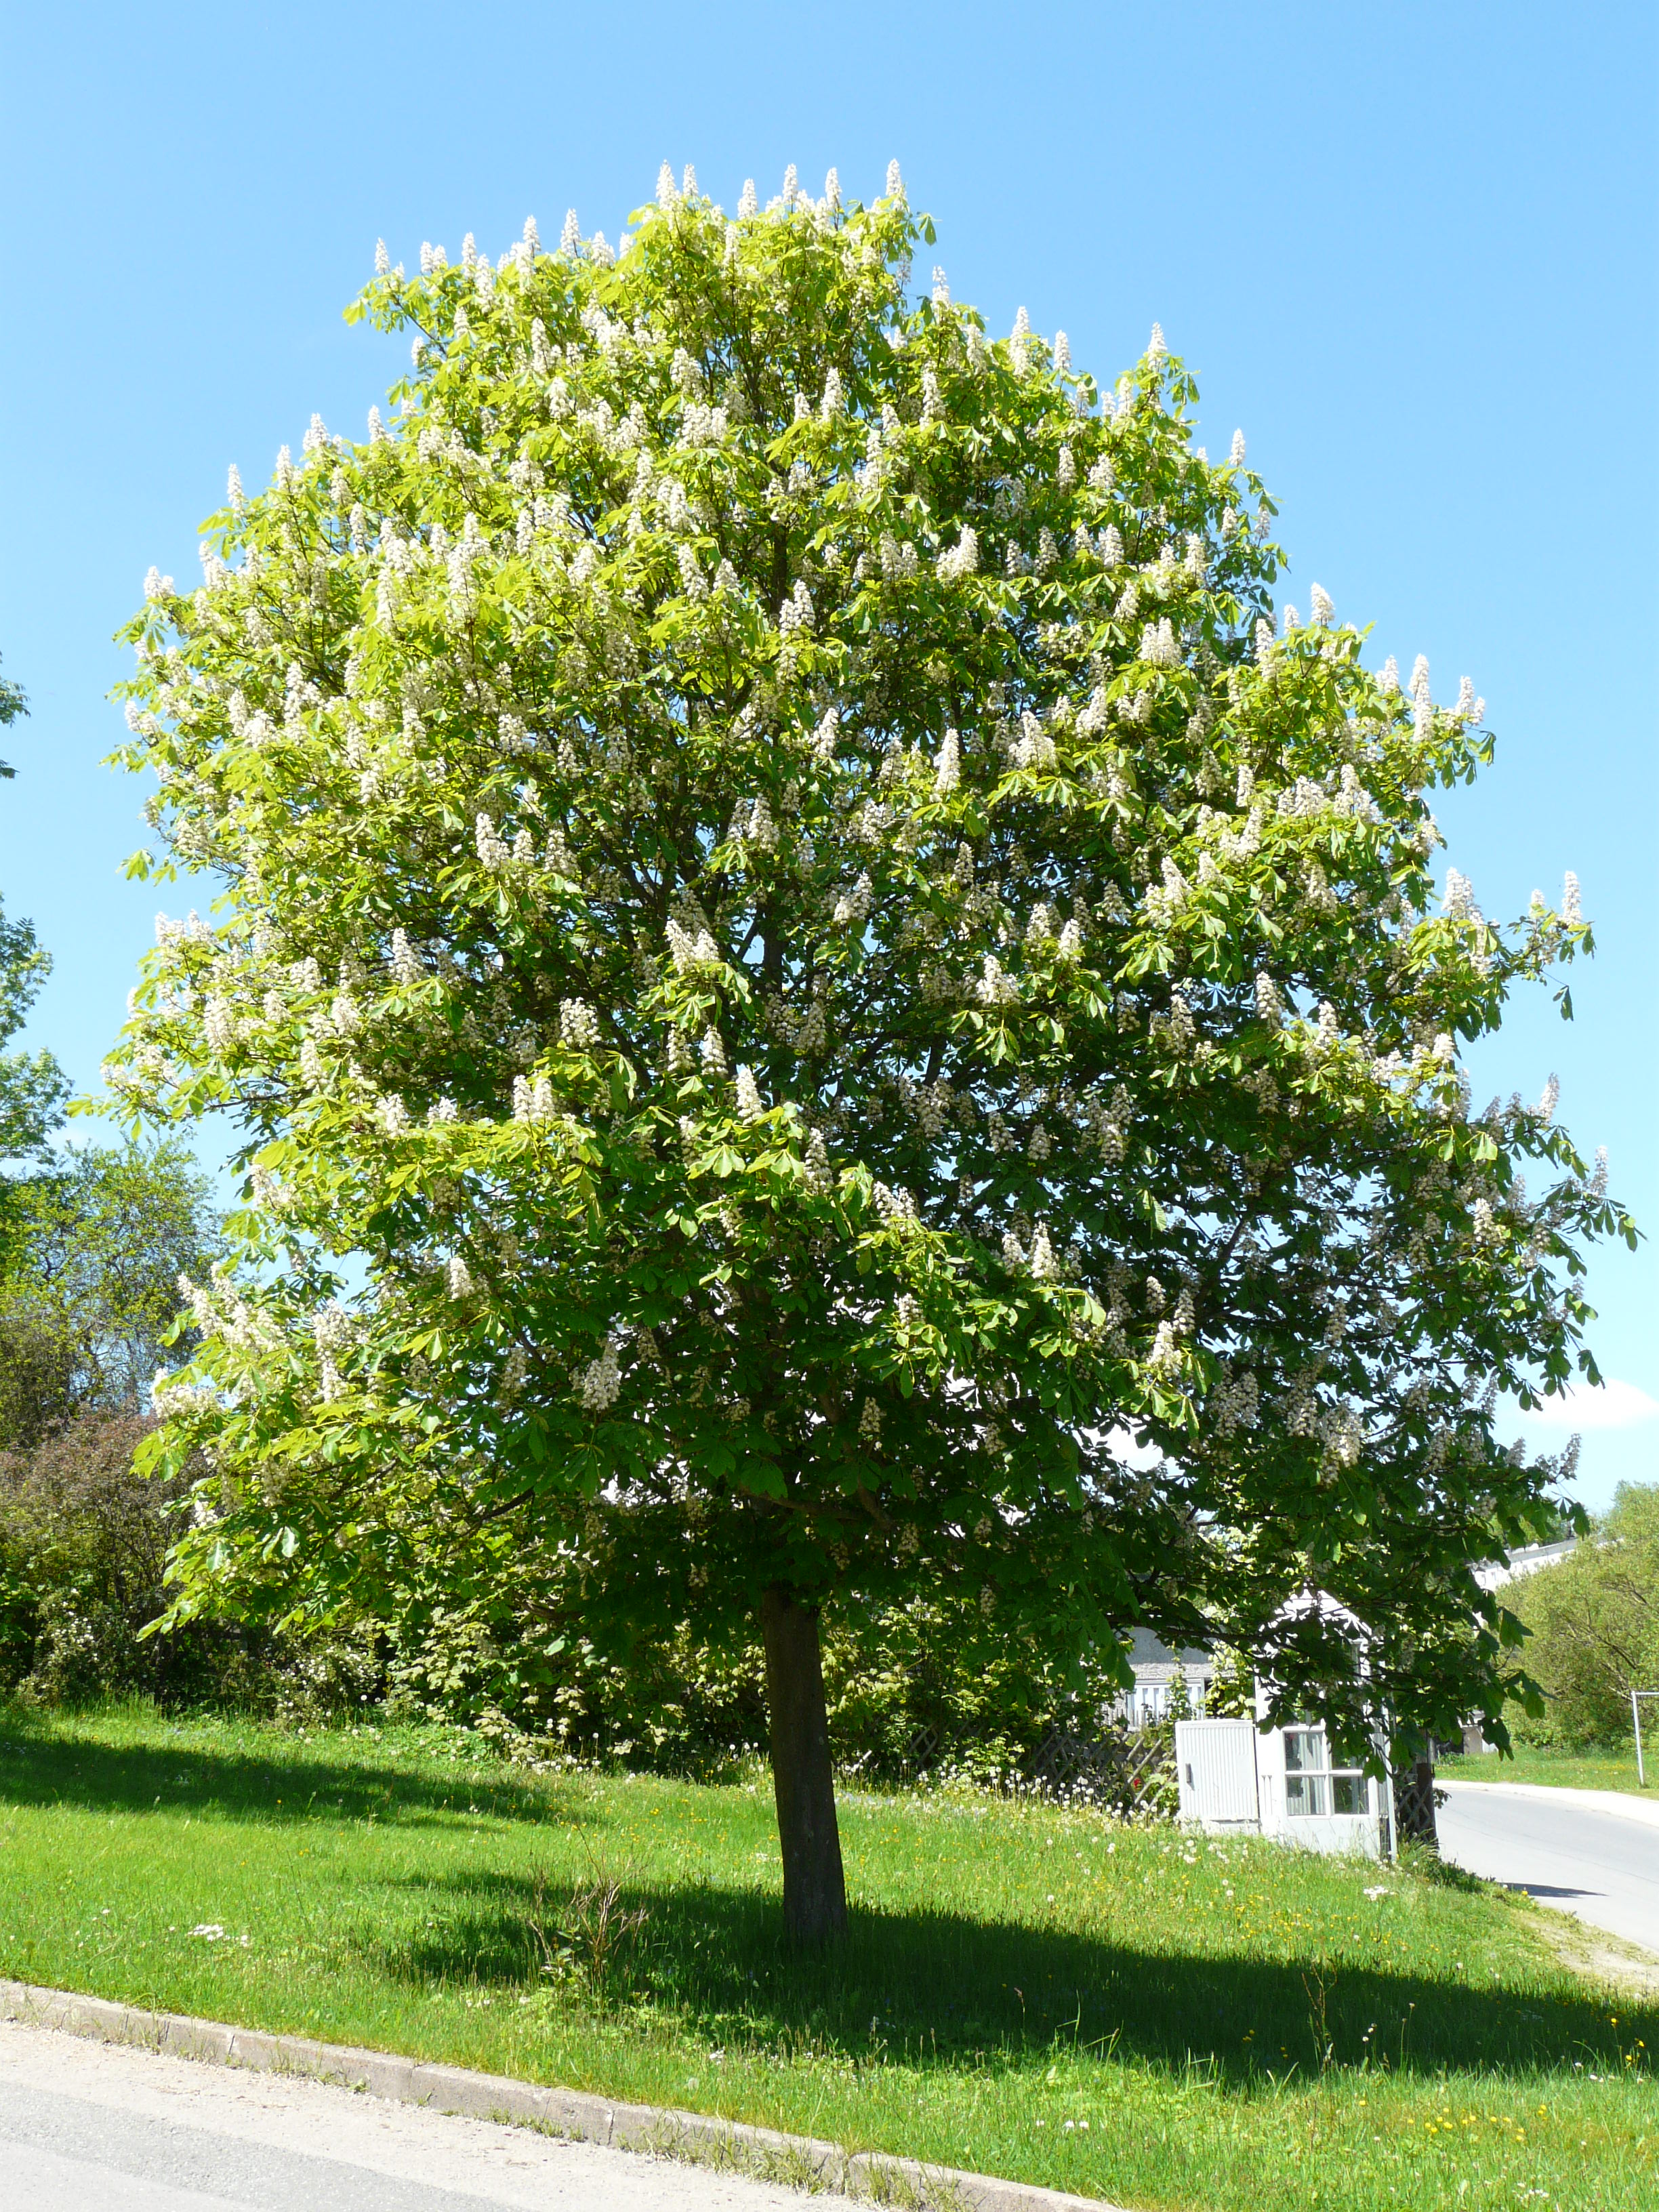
{"x": 1565, "y": 1770}
{"x": 1028, "y": 1991}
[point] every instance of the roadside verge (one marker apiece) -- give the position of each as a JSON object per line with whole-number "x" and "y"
{"x": 725, "y": 2146}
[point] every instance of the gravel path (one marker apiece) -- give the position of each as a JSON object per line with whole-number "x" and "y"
{"x": 93, "y": 2127}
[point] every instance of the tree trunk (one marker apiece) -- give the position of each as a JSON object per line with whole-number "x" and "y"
{"x": 814, "y": 1889}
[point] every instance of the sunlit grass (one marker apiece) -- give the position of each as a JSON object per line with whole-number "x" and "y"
{"x": 1612, "y": 1769}
{"x": 1028, "y": 1991}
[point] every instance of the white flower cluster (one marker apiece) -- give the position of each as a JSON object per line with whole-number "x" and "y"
{"x": 601, "y": 1381}
{"x": 171, "y": 1401}
{"x": 1159, "y": 645}
{"x": 532, "y": 1101}
{"x": 1035, "y": 747}
{"x": 961, "y": 559}
{"x": 494, "y": 851}
{"x": 1235, "y": 1403}
{"x": 897, "y": 1208}
{"x": 995, "y": 987}
{"x": 334, "y": 1333}
{"x": 579, "y": 1025}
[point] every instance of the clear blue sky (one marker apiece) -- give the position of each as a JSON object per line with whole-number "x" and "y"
{"x": 1409, "y": 248}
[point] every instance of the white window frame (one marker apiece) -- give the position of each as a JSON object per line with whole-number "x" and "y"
{"x": 1319, "y": 1778}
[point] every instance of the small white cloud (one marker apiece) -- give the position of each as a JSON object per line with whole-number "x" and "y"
{"x": 1614, "y": 1406}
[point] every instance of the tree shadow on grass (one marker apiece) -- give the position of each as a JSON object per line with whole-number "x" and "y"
{"x": 41, "y": 1765}
{"x": 937, "y": 1986}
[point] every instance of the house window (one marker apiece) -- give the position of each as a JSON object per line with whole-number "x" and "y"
{"x": 1312, "y": 1786}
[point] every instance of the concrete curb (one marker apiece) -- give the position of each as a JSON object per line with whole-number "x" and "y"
{"x": 728, "y": 2146}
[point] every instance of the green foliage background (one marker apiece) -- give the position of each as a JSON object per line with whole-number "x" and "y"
{"x": 1593, "y": 1618}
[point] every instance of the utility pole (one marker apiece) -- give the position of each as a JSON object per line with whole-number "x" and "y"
{"x": 1636, "y": 1698}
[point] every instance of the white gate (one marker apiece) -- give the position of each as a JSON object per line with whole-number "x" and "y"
{"x": 1215, "y": 1767}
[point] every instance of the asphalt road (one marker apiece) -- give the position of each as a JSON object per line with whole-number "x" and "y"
{"x": 93, "y": 2127}
{"x": 1562, "y": 1847}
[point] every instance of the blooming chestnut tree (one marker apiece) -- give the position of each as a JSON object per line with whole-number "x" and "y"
{"x": 820, "y": 1000}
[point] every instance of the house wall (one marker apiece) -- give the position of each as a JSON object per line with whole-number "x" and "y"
{"x": 1214, "y": 1756}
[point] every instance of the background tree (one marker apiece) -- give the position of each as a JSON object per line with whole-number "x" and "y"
{"x": 789, "y": 911}
{"x": 14, "y": 702}
{"x": 1594, "y": 1622}
{"x": 32, "y": 1087}
{"x": 32, "y": 1093}
{"x": 89, "y": 1299}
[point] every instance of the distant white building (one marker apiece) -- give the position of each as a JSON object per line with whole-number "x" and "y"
{"x": 1493, "y": 1574}
{"x": 1156, "y": 1668}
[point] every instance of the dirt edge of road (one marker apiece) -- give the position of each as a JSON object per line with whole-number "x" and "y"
{"x": 1596, "y": 1955}
{"x": 725, "y": 2145}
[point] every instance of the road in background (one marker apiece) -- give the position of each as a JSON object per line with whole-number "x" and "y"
{"x": 1561, "y": 1846}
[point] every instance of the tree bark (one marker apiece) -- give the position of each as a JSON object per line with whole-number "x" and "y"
{"x": 814, "y": 1888}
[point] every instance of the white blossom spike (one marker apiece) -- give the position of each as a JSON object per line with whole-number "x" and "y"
{"x": 895, "y": 182}
{"x": 382, "y": 259}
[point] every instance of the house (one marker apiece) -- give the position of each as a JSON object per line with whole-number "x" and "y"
{"x": 1156, "y": 1668}
{"x": 1493, "y": 1574}
{"x": 1242, "y": 1778}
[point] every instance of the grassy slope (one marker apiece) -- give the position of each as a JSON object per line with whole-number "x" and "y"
{"x": 1028, "y": 1992}
{"x": 1565, "y": 1770}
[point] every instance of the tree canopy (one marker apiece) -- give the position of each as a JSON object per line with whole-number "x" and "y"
{"x": 1593, "y": 1619}
{"x": 89, "y": 1299}
{"x": 802, "y": 957}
